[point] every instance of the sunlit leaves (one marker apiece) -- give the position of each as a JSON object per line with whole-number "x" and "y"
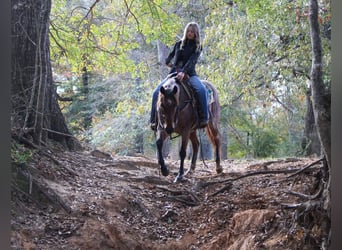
{"x": 259, "y": 57}
{"x": 101, "y": 35}
{"x": 257, "y": 53}
{"x": 109, "y": 39}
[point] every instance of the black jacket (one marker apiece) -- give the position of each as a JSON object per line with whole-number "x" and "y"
{"x": 185, "y": 58}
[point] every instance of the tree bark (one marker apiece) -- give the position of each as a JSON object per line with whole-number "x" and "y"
{"x": 163, "y": 52}
{"x": 224, "y": 147}
{"x": 35, "y": 111}
{"x": 320, "y": 92}
{"x": 87, "y": 118}
{"x": 321, "y": 106}
{"x": 310, "y": 142}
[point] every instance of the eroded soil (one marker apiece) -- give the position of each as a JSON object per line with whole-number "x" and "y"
{"x": 89, "y": 200}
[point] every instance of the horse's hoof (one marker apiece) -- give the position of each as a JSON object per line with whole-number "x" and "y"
{"x": 190, "y": 171}
{"x": 179, "y": 178}
{"x": 165, "y": 171}
{"x": 219, "y": 169}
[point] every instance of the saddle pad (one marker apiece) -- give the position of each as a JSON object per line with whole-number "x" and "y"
{"x": 210, "y": 96}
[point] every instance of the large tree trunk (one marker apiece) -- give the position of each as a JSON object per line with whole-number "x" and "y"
{"x": 35, "y": 111}
{"x": 320, "y": 92}
{"x": 321, "y": 106}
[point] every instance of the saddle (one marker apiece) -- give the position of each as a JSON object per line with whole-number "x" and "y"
{"x": 193, "y": 97}
{"x": 190, "y": 90}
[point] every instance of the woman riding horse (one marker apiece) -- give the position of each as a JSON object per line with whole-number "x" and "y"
{"x": 186, "y": 53}
{"x": 177, "y": 113}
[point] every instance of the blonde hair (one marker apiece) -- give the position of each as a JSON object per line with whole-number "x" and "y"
{"x": 197, "y": 35}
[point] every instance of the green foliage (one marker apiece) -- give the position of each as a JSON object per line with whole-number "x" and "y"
{"x": 117, "y": 133}
{"x": 265, "y": 143}
{"x": 259, "y": 57}
{"x": 257, "y": 53}
{"x": 111, "y": 40}
{"x": 102, "y": 36}
{"x": 20, "y": 154}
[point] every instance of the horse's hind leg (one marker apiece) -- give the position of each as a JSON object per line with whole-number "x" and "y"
{"x": 195, "y": 145}
{"x": 215, "y": 138}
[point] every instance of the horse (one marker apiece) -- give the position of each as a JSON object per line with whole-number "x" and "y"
{"x": 177, "y": 113}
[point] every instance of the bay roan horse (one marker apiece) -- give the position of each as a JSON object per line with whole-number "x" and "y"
{"x": 177, "y": 113}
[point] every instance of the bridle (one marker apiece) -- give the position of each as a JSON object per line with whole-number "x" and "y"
{"x": 179, "y": 106}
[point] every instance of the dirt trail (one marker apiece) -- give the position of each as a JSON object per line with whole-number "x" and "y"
{"x": 89, "y": 200}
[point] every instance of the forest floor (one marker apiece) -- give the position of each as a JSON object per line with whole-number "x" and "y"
{"x": 90, "y": 200}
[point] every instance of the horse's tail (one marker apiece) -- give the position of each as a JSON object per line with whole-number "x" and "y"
{"x": 214, "y": 106}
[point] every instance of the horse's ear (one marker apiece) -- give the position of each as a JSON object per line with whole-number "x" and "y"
{"x": 172, "y": 75}
{"x": 162, "y": 90}
{"x": 175, "y": 89}
{"x": 177, "y": 80}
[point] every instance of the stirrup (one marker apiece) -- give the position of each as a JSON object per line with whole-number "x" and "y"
{"x": 153, "y": 126}
{"x": 202, "y": 123}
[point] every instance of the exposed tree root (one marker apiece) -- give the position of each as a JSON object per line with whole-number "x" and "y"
{"x": 313, "y": 210}
{"x": 187, "y": 197}
{"x": 24, "y": 141}
{"x": 203, "y": 184}
{"x": 26, "y": 195}
{"x": 58, "y": 163}
{"x": 38, "y": 190}
{"x": 228, "y": 181}
{"x": 308, "y": 197}
{"x": 221, "y": 190}
{"x": 306, "y": 167}
{"x": 266, "y": 164}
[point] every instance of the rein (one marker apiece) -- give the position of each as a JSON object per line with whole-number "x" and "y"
{"x": 174, "y": 137}
{"x": 181, "y": 106}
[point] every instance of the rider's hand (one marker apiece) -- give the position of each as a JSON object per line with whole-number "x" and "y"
{"x": 180, "y": 76}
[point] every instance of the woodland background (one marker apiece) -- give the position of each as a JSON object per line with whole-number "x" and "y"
{"x": 108, "y": 56}
{"x": 82, "y": 76}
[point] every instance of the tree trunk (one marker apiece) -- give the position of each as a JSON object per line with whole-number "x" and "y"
{"x": 87, "y": 118}
{"x": 35, "y": 111}
{"x": 310, "y": 142}
{"x": 224, "y": 146}
{"x": 320, "y": 92}
{"x": 163, "y": 52}
{"x": 205, "y": 148}
{"x": 321, "y": 106}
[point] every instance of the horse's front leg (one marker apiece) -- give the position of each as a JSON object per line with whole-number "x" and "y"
{"x": 161, "y": 136}
{"x": 182, "y": 154}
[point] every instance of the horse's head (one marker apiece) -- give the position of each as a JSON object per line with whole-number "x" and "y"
{"x": 167, "y": 106}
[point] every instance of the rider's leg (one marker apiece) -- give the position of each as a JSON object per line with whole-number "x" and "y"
{"x": 202, "y": 94}
{"x": 153, "y": 116}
